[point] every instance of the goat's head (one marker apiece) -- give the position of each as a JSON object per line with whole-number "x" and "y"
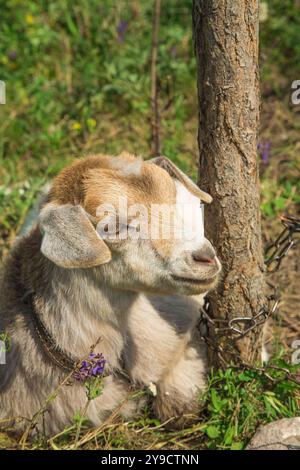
{"x": 137, "y": 224}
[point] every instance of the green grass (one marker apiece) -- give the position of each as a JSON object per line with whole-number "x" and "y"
{"x": 235, "y": 403}
{"x": 238, "y": 401}
{"x": 77, "y": 85}
{"x": 77, "y": 75}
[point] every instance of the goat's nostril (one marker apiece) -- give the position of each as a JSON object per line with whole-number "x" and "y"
{"x": 205, "y": 255}
{"x": 201, "y": 258}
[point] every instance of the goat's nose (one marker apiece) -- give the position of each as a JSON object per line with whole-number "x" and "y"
{"x": 205, "y": 254}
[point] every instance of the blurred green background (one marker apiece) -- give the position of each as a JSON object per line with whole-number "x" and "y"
{"x": 77, "y": 75}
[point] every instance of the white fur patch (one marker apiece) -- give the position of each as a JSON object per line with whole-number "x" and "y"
{"x": 189, "y": 215}
{"x": 152, "y": 388}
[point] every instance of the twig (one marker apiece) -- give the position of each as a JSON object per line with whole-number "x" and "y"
{"x": 34, "y": 420}
{"x": 82, "y": 417}
{"x": 90, "y": 435}
{"x": 155, "y": 121}
{"x": 43, "y": 409}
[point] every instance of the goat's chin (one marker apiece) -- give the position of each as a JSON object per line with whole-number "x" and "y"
{"x": 175, "y": 284}
{"x": 192, "y": 286}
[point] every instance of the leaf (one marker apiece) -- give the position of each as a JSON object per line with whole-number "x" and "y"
{"x": 229, "y": 435}
{"x": 212, "y": 431}
{"x": 71, "y": 25}
{"x": 244, "y": 377}
{"x": 280, "y": 203}
{"x": 237, "y": 446}
{"x": 216, "y": 400}
{"x": 273, "y": 402}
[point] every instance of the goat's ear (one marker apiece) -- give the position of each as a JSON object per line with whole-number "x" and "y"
{"x": 69, "y": 238}
{"x": 175, "y": 172}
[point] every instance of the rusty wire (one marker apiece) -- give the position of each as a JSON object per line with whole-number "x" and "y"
{"x": 238, "y": 327}
{"x": 233, "y": 326}
{"x": 288, "y": 238}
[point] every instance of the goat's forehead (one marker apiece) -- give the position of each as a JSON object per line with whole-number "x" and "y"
{"x": 137, "y": 182}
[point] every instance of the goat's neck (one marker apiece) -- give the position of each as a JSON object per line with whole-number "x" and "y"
{"x": 78, "y": 310}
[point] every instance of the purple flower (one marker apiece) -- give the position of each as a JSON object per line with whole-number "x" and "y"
{"x": 12, "y": 55}
{"x": 173, "y": 52}
{"x": 121, "y": 29}
{"x": 92, "y": 367}
{"x": 264, "y": 150}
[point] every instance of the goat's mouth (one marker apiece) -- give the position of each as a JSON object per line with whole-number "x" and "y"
{"x": 193, "y": 281}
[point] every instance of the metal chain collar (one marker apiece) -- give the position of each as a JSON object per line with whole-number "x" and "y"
{"x": 240, "y": 326}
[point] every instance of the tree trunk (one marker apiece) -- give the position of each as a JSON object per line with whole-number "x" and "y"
{"x": 226, "y": 44}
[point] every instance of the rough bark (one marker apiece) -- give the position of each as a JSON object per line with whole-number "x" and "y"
{"x": 226, "y": 45}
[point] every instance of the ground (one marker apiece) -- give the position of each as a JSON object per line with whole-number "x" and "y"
{"x": 78, "y": 82}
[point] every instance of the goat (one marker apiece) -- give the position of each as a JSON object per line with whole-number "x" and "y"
{"x": 141, "y": 296}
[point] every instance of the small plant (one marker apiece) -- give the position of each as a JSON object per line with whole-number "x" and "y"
{"x": 90, "y": 372}
{"x": 238, "y": 401}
